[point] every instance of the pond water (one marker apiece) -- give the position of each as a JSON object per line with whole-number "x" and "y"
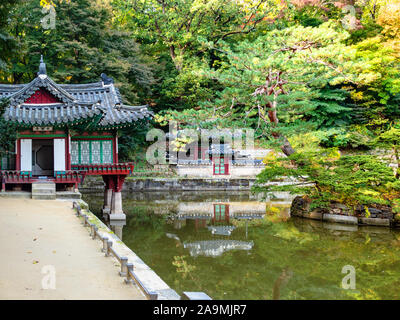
{"x": 236, "y": 246}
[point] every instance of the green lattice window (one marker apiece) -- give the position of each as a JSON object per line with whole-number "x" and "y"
{"x": 91, "y": 151}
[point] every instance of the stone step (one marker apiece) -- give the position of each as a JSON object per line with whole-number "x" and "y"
{"x": 43, "y": 187}
{"x": 39, "y": 185}
{"x": 68, "y": 195}
{"x": 44, "y": 191}
{"x": 44, "y": 196}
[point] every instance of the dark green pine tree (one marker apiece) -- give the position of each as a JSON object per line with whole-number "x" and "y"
{"x": 83, "y": 44}
{"x": 7, "y": 42}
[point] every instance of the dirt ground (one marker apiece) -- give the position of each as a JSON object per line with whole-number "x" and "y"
{"x": 46, "y": 253}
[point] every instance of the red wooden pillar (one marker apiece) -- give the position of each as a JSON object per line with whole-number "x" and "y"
{"x": 18, "y": 155}
{"x": 68, "y": 152}
{"x": 115, "y": 151}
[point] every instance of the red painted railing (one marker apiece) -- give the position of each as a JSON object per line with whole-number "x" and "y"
{"x": 12, "y": 176}
{"x": 20, "y": 177}
{"x": 75, "y": 176}
{"x": 69, "y": 177}
{"x": 105, "y": 169}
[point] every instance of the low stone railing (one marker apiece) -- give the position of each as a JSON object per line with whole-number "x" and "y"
{"x": 195, "y": 162}
{"x": 247, "y": 162}
{"x": 238, "y": 162}
{"x": 127, "y": 269}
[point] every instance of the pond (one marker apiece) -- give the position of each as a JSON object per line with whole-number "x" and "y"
{"x": 236, "y": 246}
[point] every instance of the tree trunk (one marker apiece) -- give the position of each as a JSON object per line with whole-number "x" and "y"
{"x": 286, "y": 147}
{"x": 177, "y": 64}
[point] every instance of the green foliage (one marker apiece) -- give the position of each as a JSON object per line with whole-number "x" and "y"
{"x": 7, "y": 133}
{"x": 182, "y": 266}
{"x": 171, "y": 31}
{"x": 79, "y": 49}
{"x": 311, "y": 95}
{"x": 7, "y": 42}
{"x": 132, "y": 141}
{"x": 352, "y": 138}
{"x": 326, "y": 176}
{"x": 201, "y": 62}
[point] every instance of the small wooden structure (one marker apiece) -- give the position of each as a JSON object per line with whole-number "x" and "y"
{"x": 66, "y": 132}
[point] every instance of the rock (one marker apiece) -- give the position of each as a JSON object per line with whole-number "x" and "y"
{"x": 300, "y": 206}
{"x": 374, "y": 211}
{"x": 340, "y": 206}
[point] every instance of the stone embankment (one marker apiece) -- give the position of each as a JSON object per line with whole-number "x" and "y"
{"x": 377, "y": 215}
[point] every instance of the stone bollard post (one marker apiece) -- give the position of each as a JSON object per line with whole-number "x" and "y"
{"x": 109, "y": 245}
{"x": 95, "y": 228}
{"x": 91, "y": 225}
{"x": 124, "y": 268}
{"x": 105, "y": 240}
{"x": 128, "y": 279}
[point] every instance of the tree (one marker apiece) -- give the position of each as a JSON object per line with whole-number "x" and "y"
{"x": 279, "y": 79}
{"x": 169, "y": 30}
{"x": 7, "y": 133}
{"x": 325, "y": 176}
{"x": 80, "y": 48}
{"x": 177, "y": 24}
{"x": 7, "y": 43}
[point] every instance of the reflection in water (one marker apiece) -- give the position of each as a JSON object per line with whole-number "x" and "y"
{"x": 216, "y": 218}
{"x": 214, "y": 248}
{"x": 281, "y": 282}
{"x": 213, "y": 235}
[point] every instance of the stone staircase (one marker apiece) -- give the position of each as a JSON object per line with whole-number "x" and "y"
{"x": 44, "y": 190}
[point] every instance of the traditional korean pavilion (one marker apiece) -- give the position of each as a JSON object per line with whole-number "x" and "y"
{"x": 65, "y": 132}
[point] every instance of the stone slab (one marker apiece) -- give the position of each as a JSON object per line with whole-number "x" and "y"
{"x": 68, "y": 195}
{"x": 340, "y": 218}
{"x": 44, "y": 196}
{"x": 375, "y": 222}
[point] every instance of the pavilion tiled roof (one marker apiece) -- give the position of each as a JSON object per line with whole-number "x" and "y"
{"x": 217, "y": 149}
{"x": 98, "y": 102}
